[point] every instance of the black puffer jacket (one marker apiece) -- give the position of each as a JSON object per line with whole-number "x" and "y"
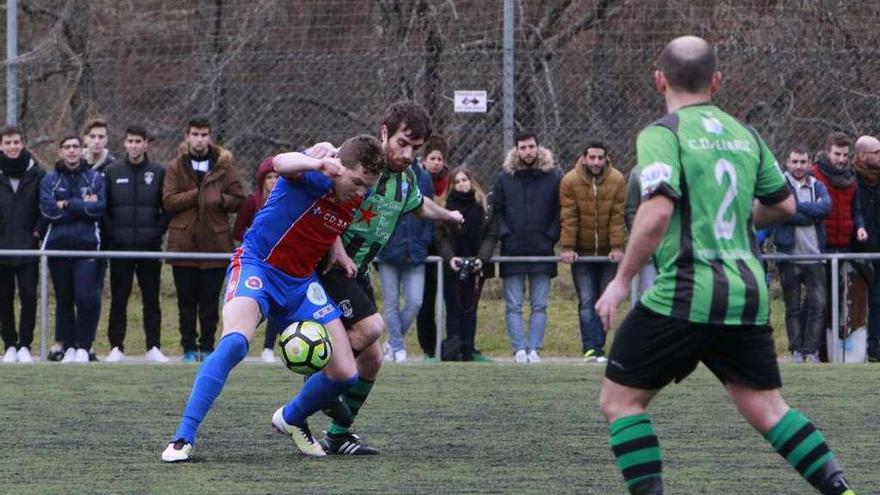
{"x": 526, "y": 207}
{"x": 20, "y": 212}
{"x": 135, "y": 219}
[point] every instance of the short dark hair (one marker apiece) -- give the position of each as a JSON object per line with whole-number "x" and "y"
{"x": 10, "y": 130}
{"x": 99, "y": 122}
{"x": 525, "y": 135}
{"x": 800, "y": 149}
{"x": 410, "y": 114}
{"x": 837, "y": 138}
{"x": 687, "y": 65}
{"x": 434, "y": 143}
{"x": 136, "y": 130}
{"x": 198, "y": 122}
{"x": 364, "y": 150}
{"x": 595, "y": 144}
{"x": 68, "y": 137}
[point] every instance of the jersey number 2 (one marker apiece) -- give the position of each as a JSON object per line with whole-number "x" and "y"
{"x": 724, "y": 228}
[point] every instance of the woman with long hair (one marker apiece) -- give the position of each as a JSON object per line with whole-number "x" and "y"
{"x": 466, "y": 249}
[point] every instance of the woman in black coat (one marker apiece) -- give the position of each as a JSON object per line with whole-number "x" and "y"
{"x": 466, "y": 249}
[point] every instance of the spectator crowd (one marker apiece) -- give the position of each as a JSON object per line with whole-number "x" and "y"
{"x": 89, "y": 200}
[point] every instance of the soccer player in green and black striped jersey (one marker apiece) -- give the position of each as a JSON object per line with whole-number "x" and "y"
{"x": 404, "y": 127}
{"x": 701, "y": 172}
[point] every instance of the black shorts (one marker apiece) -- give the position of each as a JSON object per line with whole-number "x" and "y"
{"x": 650, "y": 350}
{"x": 353, "y": 296}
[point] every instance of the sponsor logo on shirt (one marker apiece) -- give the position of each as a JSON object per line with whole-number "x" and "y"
{"x": 326, "y": 310}
{"x": 735, "y": 145}
{"x": 653, "y": 175}
{"x": 713, "y": 125}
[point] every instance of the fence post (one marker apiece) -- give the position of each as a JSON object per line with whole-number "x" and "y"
{"x": 44, "y": 308}
{"x": 507, "y": 75}
{"x": 438, "y": 313}
{"x": 12, "y": 62}
{"x": 835, "y": 306}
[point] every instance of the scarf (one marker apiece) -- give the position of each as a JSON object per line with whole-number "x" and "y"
{"x": 15, "y": 167}
{"x": 840, "y": 178}
{"x": 460, "y": 200}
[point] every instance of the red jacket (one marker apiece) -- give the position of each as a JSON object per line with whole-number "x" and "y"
{"x": 845, "y": 216}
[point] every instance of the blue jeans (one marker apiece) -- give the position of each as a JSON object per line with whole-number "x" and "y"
{"x": 590, "y": 279}
{"x": 874, "y": 312}
{"x": 539, "y": 292}
{"x": 398, "y": 320}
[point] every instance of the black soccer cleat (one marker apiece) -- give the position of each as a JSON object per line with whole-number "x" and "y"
{"x": 346, "y": 444}
{"x": 649, "y": 486}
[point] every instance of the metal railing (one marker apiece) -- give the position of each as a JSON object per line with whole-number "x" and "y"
{"x": 833, "y": 258}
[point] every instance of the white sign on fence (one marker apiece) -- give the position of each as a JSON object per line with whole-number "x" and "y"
{"x": 470, "y": 101}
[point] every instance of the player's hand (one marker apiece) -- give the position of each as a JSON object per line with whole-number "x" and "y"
{"x": 616, "y": 255}
{"x": 455, "y": 263}
{"x": 343, "y": 261}
{"x": 322, "y": 150}
{"x": 862, "y": 235}
{"x": 568, "y": 256}
{"x": 455, "y": 217}
{"x": 331, "y": 167}
{"x": 606, "y": 306}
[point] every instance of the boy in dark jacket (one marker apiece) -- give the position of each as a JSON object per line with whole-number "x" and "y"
{"x": 135, "y": 221}
{"x": 803, "y": 233}
{"x": 72, "y": 199}
{"x": 20, "y": 177}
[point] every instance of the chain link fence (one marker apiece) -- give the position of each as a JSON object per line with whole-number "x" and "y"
{"x": 279, "y": 74}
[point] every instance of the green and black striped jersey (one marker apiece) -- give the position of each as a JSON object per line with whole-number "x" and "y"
{"x": 393, "y": 195}
{"x": 713, "y": 167}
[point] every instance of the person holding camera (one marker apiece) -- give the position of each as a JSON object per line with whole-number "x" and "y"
{"x": 466, "y": 250}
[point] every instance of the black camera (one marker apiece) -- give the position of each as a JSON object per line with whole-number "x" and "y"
{"x": 466, "y": 268}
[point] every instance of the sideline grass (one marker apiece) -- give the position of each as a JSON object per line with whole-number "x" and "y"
{"x": 450, "y": 428}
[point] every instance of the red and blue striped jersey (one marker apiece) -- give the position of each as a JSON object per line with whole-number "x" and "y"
{"x": 298, "y": 223}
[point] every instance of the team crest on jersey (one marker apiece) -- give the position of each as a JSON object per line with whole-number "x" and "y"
{"x": 713, "y": 125}
{"x": 404, "y": 188}
{"x": 345, "y": 306}
{"x": 253, "y": 282}
{"x": 148, "y": 177}
{"x": 316, "y": 295}
{"x": 316, "y": 210}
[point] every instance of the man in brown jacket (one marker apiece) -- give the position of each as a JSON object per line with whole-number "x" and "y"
{"x": 201, "y": 188}
{"x": 591, "y": 199}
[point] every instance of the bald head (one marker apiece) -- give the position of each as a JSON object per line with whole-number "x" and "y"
{"x": 867, "y": 144}
{"x": 688, "y": 63}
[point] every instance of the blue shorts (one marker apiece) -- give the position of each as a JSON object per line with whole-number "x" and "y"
{"x": 280, "y": 296}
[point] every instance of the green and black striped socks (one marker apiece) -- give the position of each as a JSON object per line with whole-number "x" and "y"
{"x": 354, "y": 398}
{"x": 802, "y": 445}
{"x": 637, "y": 450}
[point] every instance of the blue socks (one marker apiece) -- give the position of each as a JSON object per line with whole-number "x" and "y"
{"x": 318, "y": 392}
{"x": 209, "y": 383}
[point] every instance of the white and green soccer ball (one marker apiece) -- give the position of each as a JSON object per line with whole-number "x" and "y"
{"x": 305, "y": 347}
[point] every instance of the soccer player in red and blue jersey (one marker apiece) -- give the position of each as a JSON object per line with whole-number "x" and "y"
{"x": 273, "y": 275}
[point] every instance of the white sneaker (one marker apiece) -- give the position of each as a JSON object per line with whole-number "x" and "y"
{"x": 533, "y": 357}
{"x": 81, "y": 356}
{"x": 177, "y": 451}
{"x": 302, "y": 437}
{"x": 387, "y": 353}
{"x": 268, "y": 355}
{"x": 115, "y": 356}
{"x": 155, "y": 355}
{"x": 601, "y": 359}
{"x": 24, "y": 355}
{"x": 400, "y": 356}
{"x": 520, "y": 357}
{"x": 69, "y": 356}
{"x": 11, "y": 355}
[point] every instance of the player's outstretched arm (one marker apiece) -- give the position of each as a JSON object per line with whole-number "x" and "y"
{"x": 432, "y": 211}
{"x": 291, "y": 165}
{"x": 767, "y": 215}
{"x": 649, "y": 226}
